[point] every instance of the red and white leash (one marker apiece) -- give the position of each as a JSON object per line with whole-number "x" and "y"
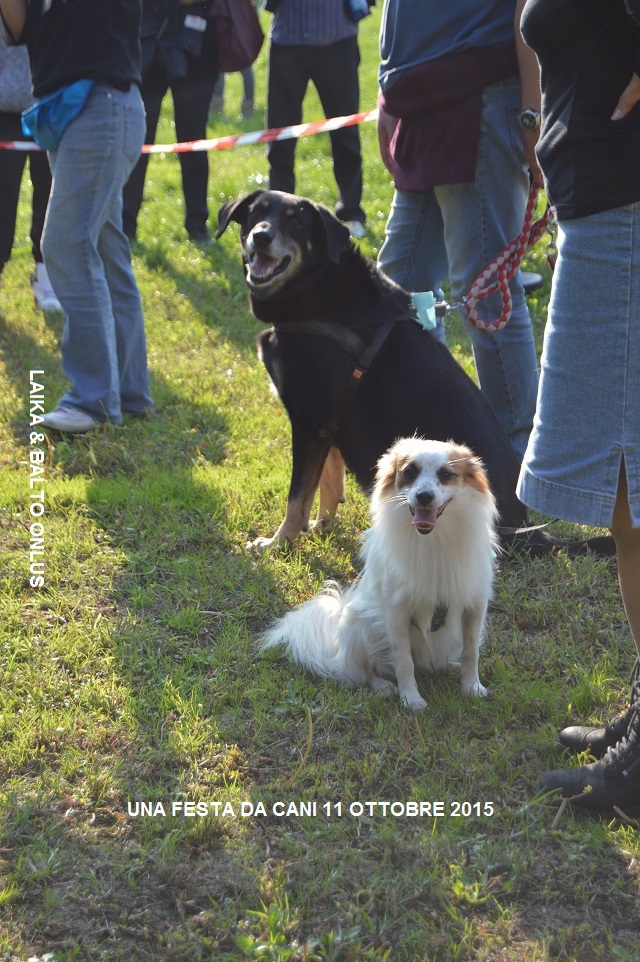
{"x": 506, "y": 264}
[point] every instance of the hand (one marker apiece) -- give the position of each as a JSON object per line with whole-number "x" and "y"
{"x": 628, "y": 100}
{"x": 386, "y": 129}
{"x": 529, "y": 141}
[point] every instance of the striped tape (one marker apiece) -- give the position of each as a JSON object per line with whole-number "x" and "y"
{"x": 236, "y": 140}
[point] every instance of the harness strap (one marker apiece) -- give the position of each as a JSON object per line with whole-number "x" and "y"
{"x": 346, "y": 338}
{"x": 366, "y": 358}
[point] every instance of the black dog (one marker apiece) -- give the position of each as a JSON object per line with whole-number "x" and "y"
{"x": 353, "y": 368}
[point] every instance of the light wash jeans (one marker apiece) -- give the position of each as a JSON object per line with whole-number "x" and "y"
{"x": 588, "y": 415}
{"x": 88, "y": 257}
{"x": 456, "y": 231}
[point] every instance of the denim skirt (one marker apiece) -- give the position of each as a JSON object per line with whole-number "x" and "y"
{"x": 588, "y": 413}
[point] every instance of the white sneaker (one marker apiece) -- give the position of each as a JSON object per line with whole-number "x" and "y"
{"x": 71, "y": 420}
{"x": 356, "y": 228}
{"x": 43, "y": 291}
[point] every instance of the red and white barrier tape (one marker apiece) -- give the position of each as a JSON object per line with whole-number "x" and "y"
{"x": 504, "y": 267}
{"x": 236, "y": 140}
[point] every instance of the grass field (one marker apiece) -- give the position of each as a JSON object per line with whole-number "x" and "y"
{"x": 133, "y": 676}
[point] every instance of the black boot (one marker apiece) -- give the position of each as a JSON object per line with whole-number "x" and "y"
{"x": 580, "y": 738}
{"x": 614, "y": 780}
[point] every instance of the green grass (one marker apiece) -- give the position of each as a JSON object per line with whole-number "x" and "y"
{"x": 133, "y": 674}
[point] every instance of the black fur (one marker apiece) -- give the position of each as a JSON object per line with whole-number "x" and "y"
{"x": 414, "y": 386}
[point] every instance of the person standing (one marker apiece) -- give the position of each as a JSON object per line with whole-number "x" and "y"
{"x": 248, "y": 104}
{"x": 454, "y": 118}
{"x": 582, "y": 463}
{"x": 16, "y": 96}
{"x": 178, "y": 54}
{"x": 317, "y": 41}
{"x": 85, "y": 67}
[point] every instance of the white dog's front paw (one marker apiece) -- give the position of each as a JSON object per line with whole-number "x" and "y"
{"x": 414, "y": 702}
{"x": 476, "y": 689}
{"x": 381, "y": 684}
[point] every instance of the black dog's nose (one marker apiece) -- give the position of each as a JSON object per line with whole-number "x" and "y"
{"x": 261, "y": 235}
{"x": 425, "y": 498}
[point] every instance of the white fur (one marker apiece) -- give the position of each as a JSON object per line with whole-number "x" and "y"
{"x": 379, "y": 628}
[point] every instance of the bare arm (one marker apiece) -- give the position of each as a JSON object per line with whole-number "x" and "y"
{"x": 629, "y": 98}
{"x": 14, "y": 14}
{"x": 530, "y": 91}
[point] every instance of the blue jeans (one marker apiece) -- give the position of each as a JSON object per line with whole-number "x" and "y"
{"x": 455, "y": 231}
{"x": 588, "y": 416}
{"x": 88, "y": 257}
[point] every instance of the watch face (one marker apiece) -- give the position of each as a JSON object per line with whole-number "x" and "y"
{"x": 530, "y": 119}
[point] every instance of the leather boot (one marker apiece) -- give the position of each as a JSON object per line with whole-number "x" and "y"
{"x": 614, "y": 780}
{"x": 580, "y": 738}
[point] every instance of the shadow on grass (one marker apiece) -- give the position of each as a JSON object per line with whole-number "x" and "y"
{"x": 142, "y": 641}
{"x": 135, "y": 679}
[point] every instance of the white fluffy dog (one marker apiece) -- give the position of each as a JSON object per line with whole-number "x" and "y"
{"x": 431, "y": 545}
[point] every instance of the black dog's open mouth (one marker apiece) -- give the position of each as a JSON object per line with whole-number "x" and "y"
{"x": 263, "y": 268}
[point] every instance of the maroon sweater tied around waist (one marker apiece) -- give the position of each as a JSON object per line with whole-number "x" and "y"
{"x": 439, "y": 107}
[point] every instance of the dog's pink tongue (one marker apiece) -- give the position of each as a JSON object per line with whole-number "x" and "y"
{"x": 261, "y": 264}
{"x": 425, "y": 516}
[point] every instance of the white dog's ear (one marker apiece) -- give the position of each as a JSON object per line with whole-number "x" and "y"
{"x": 470, "y": 467}
{"x": 386, "y": 471}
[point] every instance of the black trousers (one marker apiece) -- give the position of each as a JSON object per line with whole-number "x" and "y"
{"x": 191, "y": 99}
{"x": 12, "y": 164}
{"x": 333, "y": 70}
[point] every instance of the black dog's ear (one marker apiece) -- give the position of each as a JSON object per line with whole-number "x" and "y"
{"x": 235, "y": 210}
{"x": 336, "y": 233}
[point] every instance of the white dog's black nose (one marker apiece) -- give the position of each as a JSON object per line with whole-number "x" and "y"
{"x": 425, "y": 498}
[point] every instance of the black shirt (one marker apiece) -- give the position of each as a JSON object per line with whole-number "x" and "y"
{"x": 588, "y": 51}
{"x": 83, "y": 40}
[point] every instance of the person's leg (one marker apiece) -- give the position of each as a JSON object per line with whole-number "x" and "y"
{"x": 627, "y": 540}
{"x": 614, "y": 780}
{"x": 217, "y": 98}
{"x": 583, "y": 459}
{"x": 11, "y": 167}
{"x": 287, "y": 85}
{"x": 413, "y": 253}
{"x": 191, "y": 99}
{"x": 85, "y": 250}
{"x": 480, "y": 220}
{"x": 335, "y": 76}
{"x": 249, "y": 82}
{"x": 218, "y": 87}
{"x": 154, "y": 87}
{"x": 580, "y": 738}
{"x": 40, "y": 172}
{"x": 41, "y": 288}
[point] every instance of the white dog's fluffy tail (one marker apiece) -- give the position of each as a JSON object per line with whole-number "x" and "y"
{"x": 324, "y": 636}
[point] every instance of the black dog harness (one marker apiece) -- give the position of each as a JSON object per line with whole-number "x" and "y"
{"x": 350, "y": 342}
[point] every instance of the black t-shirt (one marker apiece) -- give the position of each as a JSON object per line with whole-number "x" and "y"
{"x": 71, "y": 40}
{"x": 588, "y": 51}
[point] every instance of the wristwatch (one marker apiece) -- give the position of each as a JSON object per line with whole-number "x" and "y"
{"x": 530, "y": 119}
